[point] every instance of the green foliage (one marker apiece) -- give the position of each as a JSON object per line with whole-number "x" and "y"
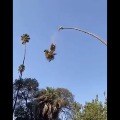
{"x": 21, "y": 68}
{"x": 25, "y": 38}
{"x": 76, "y": 111}
{"x": 95, "y": 110}
{"x": 49, "y": 54}
{"x": 51, "y": 102}
{"x": 24, "y": 104}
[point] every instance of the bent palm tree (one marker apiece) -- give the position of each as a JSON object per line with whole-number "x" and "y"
{"x": 50, "y": 53}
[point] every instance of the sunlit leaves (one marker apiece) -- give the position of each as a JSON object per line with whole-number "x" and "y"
{"x": 49, "y": 54}
{"x": 25, "y": 38}
{"x": 21, "y": 68}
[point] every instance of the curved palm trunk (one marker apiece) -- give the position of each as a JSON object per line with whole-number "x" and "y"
{"x": 24, "y": 55}
{"x": 105, "y": 43}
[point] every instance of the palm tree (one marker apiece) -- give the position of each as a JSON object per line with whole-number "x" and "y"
{"x": 50, "y": 53}
{"x": 49, "y": 104}
{"x": 24, "y": 38}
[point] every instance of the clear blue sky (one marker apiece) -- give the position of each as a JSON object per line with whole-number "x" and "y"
{"x": 81, "y": 61}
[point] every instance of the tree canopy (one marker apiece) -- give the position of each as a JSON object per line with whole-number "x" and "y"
{"x": 53, "y": 103}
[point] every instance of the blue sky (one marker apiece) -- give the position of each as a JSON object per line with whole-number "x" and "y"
{"x": 81, "y": 61}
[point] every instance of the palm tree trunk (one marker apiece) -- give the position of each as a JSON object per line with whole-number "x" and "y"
{"x": 16, "y": 98}
{"x": 105, "y": 43}
{"x": 20, "y": 79}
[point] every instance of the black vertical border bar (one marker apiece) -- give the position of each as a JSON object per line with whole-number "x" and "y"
{"x": 113, "y": 59}
{"x": 6, "y": 59}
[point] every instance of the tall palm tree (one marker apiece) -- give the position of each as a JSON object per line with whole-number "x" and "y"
{"x": 24, "y": 38}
